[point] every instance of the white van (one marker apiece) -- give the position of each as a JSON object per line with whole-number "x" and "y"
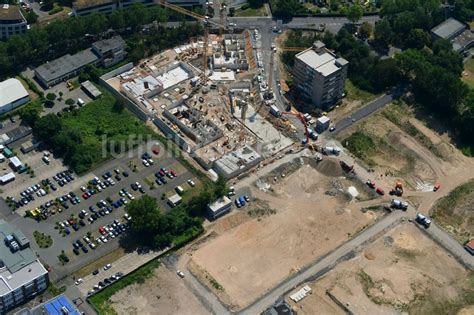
{"x": 179, "y": 190}
{"x": 80, "y": 102}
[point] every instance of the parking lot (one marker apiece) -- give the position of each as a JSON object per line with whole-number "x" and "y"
{"x": 111, "y": 216}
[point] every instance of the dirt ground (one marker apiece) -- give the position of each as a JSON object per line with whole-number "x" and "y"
{"x": 403, "y": 271}
{"x": 312, "y": 215}
{"x": 401, "y": 157}
{"x": 164, "y": 293}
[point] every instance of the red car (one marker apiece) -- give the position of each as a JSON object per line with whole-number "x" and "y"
{"x": 102, "y": 230}
{"x": 380, "y": 191}
{"x": 85, "y": 196}
{"x": 162, "y": 173}
{"x": 156, "y": 151}
{"x": 370, "y": 183}
{"x": 436, "y": 187}
{"x": 173, "y": 172}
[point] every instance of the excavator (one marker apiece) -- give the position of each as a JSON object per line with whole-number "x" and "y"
{"x": 398, "y": 190}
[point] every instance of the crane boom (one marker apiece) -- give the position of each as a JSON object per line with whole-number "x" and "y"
{"x": 303, "y": 121}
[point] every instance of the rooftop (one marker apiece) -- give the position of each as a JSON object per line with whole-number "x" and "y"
{"x": 106, "y": 45}
{"x": 11, "y": 90}
{"x": 91, "y": 88}
{"x": 56, "y": 306}
{"x": 321, "y": 59}
{"x": 10, "y": 12}
{"x": 470, "y": 244}
{"x": 65, "y": 64}
{"x": 463, "y": 40}
{"x": 448, "y": 28}
{"x": 219, "y": 204}
{"x": 19, "y": 267}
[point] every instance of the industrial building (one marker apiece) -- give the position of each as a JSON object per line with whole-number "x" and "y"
{"x": 13, "y": 135}
{"x": 59, "y": 305}
{"x": 110, "y": 51}
{"x": 219, "y": 208}
{"x": 22, "y": 276}
{"x": 65, "y": 67}
{"x": 91, "y": 89}
{"x": 12, "y": 21}
{"x": 12, "y": 95}
{"x": 320, "y": 75}
{"x": 459, "y": 34}
{"x": 104, "y": 52}
{"x": 86, "y": 7}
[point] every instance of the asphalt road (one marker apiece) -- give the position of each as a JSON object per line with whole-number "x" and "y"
{"x": 367, "y": 110}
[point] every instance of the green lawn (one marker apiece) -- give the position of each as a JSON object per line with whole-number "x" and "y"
{"x": 469, "y": 68}
{"x": 356, "y": 94}
{"x": 251, "y": 11}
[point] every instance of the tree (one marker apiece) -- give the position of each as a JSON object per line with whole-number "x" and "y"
{"x": 231, "y": 11}
{"x": 60, "y": 95}
{"x": 29, "y": 114}
{"x": 417, "y": 38}
{"x": 365, "y": 30}
{"x": 255, "y": 3}
{"x": 47, "y": 127}
{"x": 50, "y": 96}
{"x": 70, "y": 102}
{"x": 383, "y": 33}
{"x": 286, "y": 8}
{"x": 145, "y": 214}
{"x": 354, "y": 13}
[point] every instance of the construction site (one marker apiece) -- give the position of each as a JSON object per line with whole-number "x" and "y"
{"x": 309, "y": 209}
{"x": 203, "y": 96}
{"x": 404, "y": 271}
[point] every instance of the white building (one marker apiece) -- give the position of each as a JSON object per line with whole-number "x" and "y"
{"x": 22, "y": 276}
{"x": 12, "y": 95}
{"x": 319, "y": 75}
{"x": 219, "y": 207}
{"x": 12, "y": 21}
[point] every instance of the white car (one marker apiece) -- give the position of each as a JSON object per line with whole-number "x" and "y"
{"x": 107, "y": 267}
{"x": 180, "y": 273}
{"x": 191, "y": 183}
{"x": 150, "y": 161}
{"x": 78, "y": 281}
{"x": 83, "y": 189}
{"x": 104, "y": 239}
{"x": 145, "y": 162}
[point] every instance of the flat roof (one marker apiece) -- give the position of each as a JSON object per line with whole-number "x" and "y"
{"x": 59, "y": 67}
{"x": 463, "y": 40}
{"x": 470, "y": 244}
{"x": 324, "y": 62}
{"x": 16, "y": 161}
{"x": 20, "y": 267}
{"x": 448, "y": 28}
{"x": 10, "y": 12}
{"x": 56, "y": 306}
{"x": 11, "y": 90}
{"x": 219, "y": 204}
{"x": 7, "y": 177}
{"x": 175, "y": 199}
{"x": 91, "y": 88}
{"x": 113, "y": 43}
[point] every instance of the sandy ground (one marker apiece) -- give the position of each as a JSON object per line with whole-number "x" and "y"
{"x": 253, "y": 257}
{"x": 403, "y": 271}
{"x": 402, "y": 158}
{"x": 164, "y": 293}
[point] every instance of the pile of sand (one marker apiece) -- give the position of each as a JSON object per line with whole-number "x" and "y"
{"x": 329, "y": 167}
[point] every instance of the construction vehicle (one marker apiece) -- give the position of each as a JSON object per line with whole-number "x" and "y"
{"x": 331, "y": 150}
{"x": 303, "y": 121}
{"x": 370, "y": 183}
{"x": 398, "y": 190}
{"x": 346, "y": 167}
{"x": 421, "y": 219}
{"x": 398, "y": 204}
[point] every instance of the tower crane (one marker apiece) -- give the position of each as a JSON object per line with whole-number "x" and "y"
{"x": 205, "y": 19}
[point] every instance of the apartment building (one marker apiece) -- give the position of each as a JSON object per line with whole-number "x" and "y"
{"x": 22, "y": 276}
{"x": 12, "y": 21}
{"x": 320, "y": 75}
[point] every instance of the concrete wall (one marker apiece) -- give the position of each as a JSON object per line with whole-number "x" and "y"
{"x": 170, "y": 134}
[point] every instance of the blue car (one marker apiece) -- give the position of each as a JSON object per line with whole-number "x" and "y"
{"x": 67, "y": 231}
{"x": 242, "y": 200}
